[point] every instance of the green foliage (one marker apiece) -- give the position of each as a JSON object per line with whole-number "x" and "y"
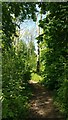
{"x": 15, "y": 107}
{"x": 15, "y": 82}
{"x": 18, "y": 60}
{"x": 12, "y": 14}
{"x": 36, "y": 77}
{"x": 54, "y": 50}
{"x": 62, "y": 96}
{"x": 32, "y": 56}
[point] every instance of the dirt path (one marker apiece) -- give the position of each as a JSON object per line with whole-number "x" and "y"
{"x": 41, "y": 104}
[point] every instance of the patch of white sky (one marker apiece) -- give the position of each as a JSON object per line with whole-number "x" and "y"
{"x": 29, "y": 29}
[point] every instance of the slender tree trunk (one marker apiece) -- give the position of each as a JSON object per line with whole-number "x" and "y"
{"x": 38, "y": 55}
{"x": 38, "y": 59}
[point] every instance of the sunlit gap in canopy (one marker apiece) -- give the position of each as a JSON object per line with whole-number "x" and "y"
{"x": 29, "y": 29}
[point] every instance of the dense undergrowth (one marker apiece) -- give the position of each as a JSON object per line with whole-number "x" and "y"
{"x": 19, "y": 59}
{"x": 54, "y": 54}
{"x": 15, "y": 88}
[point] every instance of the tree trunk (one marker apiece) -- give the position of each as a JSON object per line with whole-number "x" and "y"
{"x": 38, "y": 59}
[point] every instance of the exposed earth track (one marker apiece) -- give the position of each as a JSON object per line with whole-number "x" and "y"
{"x": 41, "y": 104}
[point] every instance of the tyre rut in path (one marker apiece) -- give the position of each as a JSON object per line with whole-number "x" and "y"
{"x": 41, "y": 104}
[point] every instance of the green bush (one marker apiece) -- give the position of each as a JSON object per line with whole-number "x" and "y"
{"x": 36, "y": 77}
{"x": 15, "y": 78}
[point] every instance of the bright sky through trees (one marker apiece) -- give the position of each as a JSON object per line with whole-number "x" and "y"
{"x": 30, "y": 28}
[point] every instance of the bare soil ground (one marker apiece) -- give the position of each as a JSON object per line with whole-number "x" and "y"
{"x": 41, "y": 104}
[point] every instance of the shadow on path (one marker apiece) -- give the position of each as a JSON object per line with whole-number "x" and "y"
{"x": 41, "y": 104}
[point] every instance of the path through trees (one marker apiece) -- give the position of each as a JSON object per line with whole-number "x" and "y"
{"x": 41, "y": 104}
{"x": 19, "y": 61}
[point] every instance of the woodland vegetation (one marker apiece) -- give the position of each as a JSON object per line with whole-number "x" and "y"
{"x": 19, "y": 59}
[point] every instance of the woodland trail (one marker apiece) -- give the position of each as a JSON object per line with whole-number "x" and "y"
{"x": 41, "y": 104}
